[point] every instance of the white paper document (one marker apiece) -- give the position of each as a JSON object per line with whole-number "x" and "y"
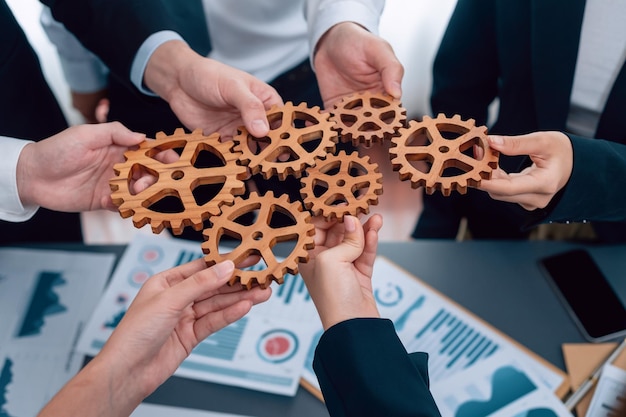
{"x": 428, "y": 322}
{"x": 498, "y": 386}
{"x": 264, "y": 351}
{"x": 46, "y": 297}
{"x": 609, "y": 398}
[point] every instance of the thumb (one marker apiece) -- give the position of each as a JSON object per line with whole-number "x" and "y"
{"x": 121, "y": 135}
{"x": 353, "y": 241}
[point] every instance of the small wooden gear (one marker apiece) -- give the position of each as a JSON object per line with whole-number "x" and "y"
{"x": 298, "y": 135}
{"x": 367, "y": 118}
{"x": 342, "y": 184}
{"x": 451, "y": 167}
{"x": 260, "y": 237}
{"x": 181, "y": 180}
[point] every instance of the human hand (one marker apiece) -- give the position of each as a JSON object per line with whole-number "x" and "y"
{"x": 171, "y": 314}
{"x": 207, "y": 94}
{"x": 94, "y": 106}
{"x": 338, "y": 274}
{"x": 70, "y": 171}
{"x": 535, "y": 186}
{"x": 350, "y": 59}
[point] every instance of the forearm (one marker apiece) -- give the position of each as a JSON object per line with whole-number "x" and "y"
{"x": 165, "y": 65}
{"x": 364, "y": 370}
{"x": 97, "y": 390}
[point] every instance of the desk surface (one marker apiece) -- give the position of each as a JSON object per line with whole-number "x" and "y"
{"x": 498, "y": 281}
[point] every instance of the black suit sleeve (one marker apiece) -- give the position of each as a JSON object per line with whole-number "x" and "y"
{"x": 595, "y": 191}
{"x": 364, "y": 370}
{"x": 115, "y": 29}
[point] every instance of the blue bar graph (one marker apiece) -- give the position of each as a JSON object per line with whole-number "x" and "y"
{"x": 223, "y": 344}
{"x": 451, "y": 343}
{"x": 292, "y": 290}
{"x": 186, "y": 256}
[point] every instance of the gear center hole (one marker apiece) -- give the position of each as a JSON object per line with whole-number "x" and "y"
{"x": 177, "y": 175}
{"x": 341, "y": 183}
{"x": 444, "y": 149}
{"x": 284, "y": 136}
{"x": 367, "y": 114}
{"x": 257, "y": 235}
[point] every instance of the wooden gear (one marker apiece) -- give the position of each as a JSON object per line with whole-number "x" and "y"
{"x": 300, "y": 143}
{"x": 177, "y": 179}
{"x": 367, "y": 118}
{"x": 340, "y": 185}
{"x": 443, "y": 153}
{"x": 260, "y": 237}
{"x": 285, "y": 150}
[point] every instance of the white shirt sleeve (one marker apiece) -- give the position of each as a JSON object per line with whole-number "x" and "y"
{"x": 83, "y": 71}
{"x": 11, "y": 208}
{"x": 321, "y": 15}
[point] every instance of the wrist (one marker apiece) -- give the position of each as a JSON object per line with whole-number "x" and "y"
{"x": 97, "y": 390}
{"x": 123, "y": 391}
{"x": 163, "y": 69}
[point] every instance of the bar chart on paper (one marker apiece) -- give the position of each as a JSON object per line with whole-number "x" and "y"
{"x": 426, "y": 321}
{"x": 454, "y": 344}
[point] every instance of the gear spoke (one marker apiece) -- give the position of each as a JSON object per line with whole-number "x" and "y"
{"x": 291, "y": 138}
{"x": 443, "y": 153}
{"x": 255, "y": 237}
{"x": 335, "y": 171}
{"x": 176, "y": 179}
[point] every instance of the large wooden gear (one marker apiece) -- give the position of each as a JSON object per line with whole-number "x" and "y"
{"x": 179, "y": 180}
{"x": 367, "y": 118}
{"x": 342, "y": 185}
{"x": 260, "y": 237}
{"x": 298, "y": 135}
{"x": 442, "y": 153}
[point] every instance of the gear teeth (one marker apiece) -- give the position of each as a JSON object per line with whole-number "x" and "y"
{"x": 177, "y": 179}
{"x": 288, "y": 138}
{"x": 377, "y": 119}
{"x": 259, "y": 238}
{"x": 353, "y": 174}
{"x": 443, "y": 153}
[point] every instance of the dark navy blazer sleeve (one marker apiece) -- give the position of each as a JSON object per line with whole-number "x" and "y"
{"x": 364, "y": 370}
{"x": 115, "y": 29}
{"x": 595, "y": 191}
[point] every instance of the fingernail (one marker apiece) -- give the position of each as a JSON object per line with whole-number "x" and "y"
{"x": 496, "y": 140}
{"x": 349, "y": 224}
{"x": 224, "y": 269}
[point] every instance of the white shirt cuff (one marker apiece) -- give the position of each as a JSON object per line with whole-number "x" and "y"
{"x": 329, "y": 13}
{"x": 143, "y": 56}
{"x": 11, "y": 208}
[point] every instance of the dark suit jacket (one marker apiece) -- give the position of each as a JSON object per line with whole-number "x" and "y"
{"x": 364, "y": 370}
{"x": 524, "y": 53}
{"x": 29, "y": 110}
{"x": 115, "y": 29}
